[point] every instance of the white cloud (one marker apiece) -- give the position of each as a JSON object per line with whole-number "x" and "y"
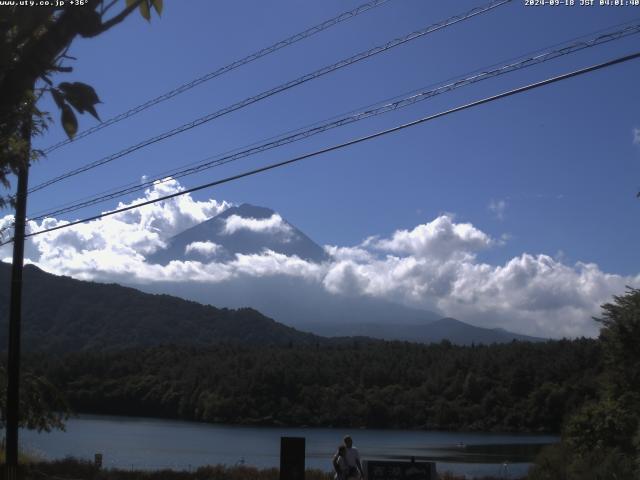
{"x": 117, "y": 244}
{"x": 273, "y": 224}
{"x": 536, "y": 292}
{"x": 498, "y": 208}
{"x": 169, "y": 217}
{"x": 636, "y": 136}
{"x": 349, "y": 253}
{"x": 272, "y": 263}
{"x": 207, "y": 249}
{"x": 433, "y": 266}
{"x": 438, "y": 239}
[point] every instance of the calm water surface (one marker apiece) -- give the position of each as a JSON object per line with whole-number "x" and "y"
{"x": 144, "y": 443}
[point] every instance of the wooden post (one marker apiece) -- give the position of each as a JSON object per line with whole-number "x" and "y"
{"x": 292, "y": 453}
{"x": 15, "y": 313}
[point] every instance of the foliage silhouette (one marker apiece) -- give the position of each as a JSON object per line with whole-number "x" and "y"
{"x": 602, "y": 439}
{"x": 34, "y": 43}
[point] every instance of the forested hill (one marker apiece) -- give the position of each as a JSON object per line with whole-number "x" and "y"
{"x": 510, "y": 387}
{"x": 61, "y": 314}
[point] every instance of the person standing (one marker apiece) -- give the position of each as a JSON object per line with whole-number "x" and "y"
{"x": 340, "y": 463}
{"x": 352, "y": 460}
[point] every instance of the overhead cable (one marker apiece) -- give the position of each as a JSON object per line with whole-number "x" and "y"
{"x": 222, "y": 70}
{"x": 355, "y": 141}
{"x": 268, "y": 93}
{"x": 397, "y": 103}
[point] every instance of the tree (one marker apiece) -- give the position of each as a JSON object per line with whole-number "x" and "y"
{"x": 602, "y": 439}
{"x": 42, "y": 406}
{"x": 34, "y": 42}
{"x": 620, "y": 337}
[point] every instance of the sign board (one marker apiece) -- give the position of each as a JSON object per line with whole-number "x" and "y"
{"x": 383, "y": 470}
{"x": 292, "y": 451}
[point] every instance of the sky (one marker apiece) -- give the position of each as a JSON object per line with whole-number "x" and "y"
{"x": 521, "y": 213}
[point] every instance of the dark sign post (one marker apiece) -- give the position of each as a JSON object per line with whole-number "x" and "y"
{"x": 292, "y": 452}
{"x": 382, "y": 470}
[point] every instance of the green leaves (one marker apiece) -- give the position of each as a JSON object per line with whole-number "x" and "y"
{"x": 69, "y": 121}
{"x": 600, "y": 439}
{"x": 43, "y": 407}
{"x": 57, "y": 97}
{"x": 145, "y": 10}
{"x": 145, "y": 7}
{"x": 81, "y": 97}
{"x": 158, "y": 5}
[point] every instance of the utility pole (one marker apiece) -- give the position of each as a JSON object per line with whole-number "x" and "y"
{"x": 15, "y": 311}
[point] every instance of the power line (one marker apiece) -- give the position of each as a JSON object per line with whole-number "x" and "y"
{"x": 580, "y": 43}
{"x": 300, "y": 134}
{"x": 268, "y": 93}
{"x": 222, "y": 70}
{"x": 413, "y": 123}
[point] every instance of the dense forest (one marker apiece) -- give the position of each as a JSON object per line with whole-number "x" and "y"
{"x": 510, "y": 387}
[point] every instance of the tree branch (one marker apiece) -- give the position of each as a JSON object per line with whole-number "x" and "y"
{"x": 113, "y": 21}
{"x": 108, "y": 7}
{"x": 40, "y": 55}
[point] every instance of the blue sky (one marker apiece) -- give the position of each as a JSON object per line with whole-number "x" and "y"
{"x": 562, "y": 158}
{"x": 554, "y": 171}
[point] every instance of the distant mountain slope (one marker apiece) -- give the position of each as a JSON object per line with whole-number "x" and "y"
{"x": 462, "y": 333}
{"x": 307, "y": 307}
{"x": 457, "y": 332}
{"x": 295, "y": 302}
{"x": 63, "y": 314}
{"x": 245, "y": 229}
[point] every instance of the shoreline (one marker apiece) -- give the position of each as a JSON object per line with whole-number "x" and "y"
{"x": 265, "y": 425}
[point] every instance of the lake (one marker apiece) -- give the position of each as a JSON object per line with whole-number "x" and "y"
{"x": 146, "y": 443}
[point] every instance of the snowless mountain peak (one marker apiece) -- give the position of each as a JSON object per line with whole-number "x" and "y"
{"x": 246, "y": 210}
{"x": 245, "y": 229}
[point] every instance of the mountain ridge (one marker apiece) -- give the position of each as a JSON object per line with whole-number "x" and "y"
{"x": 433, "y": 331}
{"x": 62, "y": 314}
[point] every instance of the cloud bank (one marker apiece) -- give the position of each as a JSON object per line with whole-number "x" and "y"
{"x": 433, "y": 266}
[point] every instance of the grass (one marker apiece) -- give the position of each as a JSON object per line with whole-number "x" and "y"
{"x": 74, "y": 469}
{"x": 23, "y": 458}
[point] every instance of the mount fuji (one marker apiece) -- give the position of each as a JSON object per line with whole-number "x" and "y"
{"x": 245, "y": 229}
{"x": 299, "y": 303}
